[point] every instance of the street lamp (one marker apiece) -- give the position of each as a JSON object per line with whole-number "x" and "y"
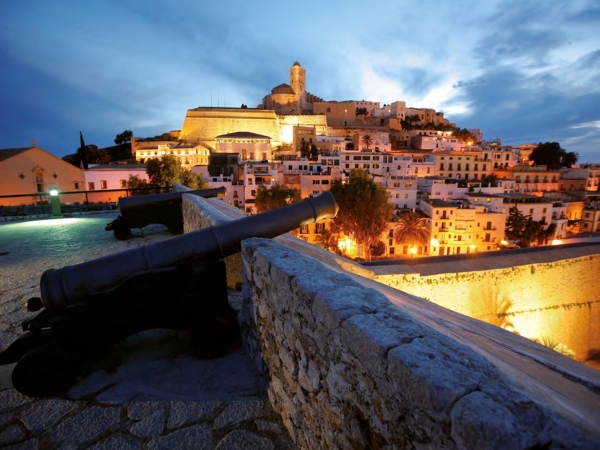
{"x": 55, "y": 202}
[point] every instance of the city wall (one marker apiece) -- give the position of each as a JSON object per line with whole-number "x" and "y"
{"x": 352, "y": 363}
{"x": 552, "y": 296}
{"x": 204, "y": 124}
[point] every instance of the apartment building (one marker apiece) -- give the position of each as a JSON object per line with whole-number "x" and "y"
{"x": 189, "y": 155}
{"x": 590, "y": 219}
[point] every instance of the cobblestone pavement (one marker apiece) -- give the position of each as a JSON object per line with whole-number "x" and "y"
{"x": 153, "y": 394}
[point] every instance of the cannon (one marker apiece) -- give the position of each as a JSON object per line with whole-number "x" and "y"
{"x": 177, "y": 284}
{"x": 142, "y": 210}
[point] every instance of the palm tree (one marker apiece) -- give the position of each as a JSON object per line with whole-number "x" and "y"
{"x": 366, "y": 139}
{"x": 412, "y": 229}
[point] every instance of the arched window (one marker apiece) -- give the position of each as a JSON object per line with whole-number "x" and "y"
{"x": 39, "y": 180}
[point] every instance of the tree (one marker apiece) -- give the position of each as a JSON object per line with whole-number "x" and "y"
{"x": 364, "y": 209}
{"x": 275, "y": 197}
{"x": 167, "y": 170}
{"x": 412, "y": 229}
{"x": 525, "y": 231}
{"x": 83, "y": 153}
{"x": 314, "y": 152}
{"x": 491, "y": 179}
{"x": 124, "y": 137}
{"x": 366, "y": 139}
{"x": 515, "y": 224}
{"x": 137, "y": 185}
{"x": 552, "y": 155}
{"x": 304, "y": 149}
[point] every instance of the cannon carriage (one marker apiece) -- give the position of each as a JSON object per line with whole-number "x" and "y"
{"x": 165, "y": 209}
{"x": 179, "y": 284}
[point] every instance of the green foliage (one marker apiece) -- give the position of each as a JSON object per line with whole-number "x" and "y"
{"x": 124, "y": 137}
{"x": 364, "y": 209}
{"x": 167, "y": 170}
{"x": 378, "y": 249}
{"x": 525, "y": 231}
{"x": 552, "y": 155}
{"x": 367, "y": 140}
{"x": 136, "y": 184}
{"x": 556, "y": 346}
{"x": 491, "y": 179}
{"x": 361, "y": 112}
{"x": 328, "y": 240}
{"x": 275, "y": 197}
{"x": 412, "y": 229}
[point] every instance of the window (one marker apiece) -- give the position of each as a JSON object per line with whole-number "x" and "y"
{"x": 304, "y": 229}
{"x": 489, "y": 200}
{"x": 316, "y": 181}
{"x": 253, "y": 193}
{"x": 103, "y": 184}
{"x": 249, "y": 181}
{"x": 441, "y": 166}
{"x": 319, "y": 228}
{"x": 77, "y": 185}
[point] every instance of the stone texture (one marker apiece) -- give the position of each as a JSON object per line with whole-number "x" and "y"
{"x": 350, "y": 369}
{"x": 239, "y": 439}
{"x": 85, "y": 426}
{"x": 195, "y": 437}
{"x": 45, "y": 413}
{"x": 239, "y": 411}
{"x": 184, "y": 413}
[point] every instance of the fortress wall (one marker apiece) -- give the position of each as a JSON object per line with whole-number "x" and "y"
{"x": 557, "y": 300}
{"x": 205, "y": 124}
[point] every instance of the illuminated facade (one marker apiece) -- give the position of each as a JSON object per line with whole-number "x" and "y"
{"x": 30, "y": 170}
{"x": 189, "y": 155}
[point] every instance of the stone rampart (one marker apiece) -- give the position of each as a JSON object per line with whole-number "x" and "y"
{"x": 352, "y": 363}
{"x": 551, "y": 295}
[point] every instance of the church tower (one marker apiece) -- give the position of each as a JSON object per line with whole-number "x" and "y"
{"x": 298, "y": 83}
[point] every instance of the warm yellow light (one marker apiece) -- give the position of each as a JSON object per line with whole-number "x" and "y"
{"x": 53, "y": 192}
{"x": 434, "y": 242}
{"x": 556, "y": 242}
{"x": 503, "y": 242}
{"x": 413, "y": 250}
{"x": 472, "y": 247}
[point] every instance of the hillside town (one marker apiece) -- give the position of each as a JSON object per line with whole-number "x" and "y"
{"x": 462, "y": 185}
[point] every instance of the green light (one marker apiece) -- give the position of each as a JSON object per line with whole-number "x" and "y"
{"x": 53, "y": 192}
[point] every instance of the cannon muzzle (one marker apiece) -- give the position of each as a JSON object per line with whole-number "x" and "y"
{"x": 71, "y": 284}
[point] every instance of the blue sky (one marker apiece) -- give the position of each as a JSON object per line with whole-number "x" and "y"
{"x": 523, "y": 71}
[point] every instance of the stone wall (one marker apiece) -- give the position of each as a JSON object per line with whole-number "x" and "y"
{"x": 352, "y": 363}
{"x": 355, "y": 367}
{"x": 550, "y": 295}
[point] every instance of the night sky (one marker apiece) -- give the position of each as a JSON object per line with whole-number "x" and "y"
{"x": 523, "y": 71}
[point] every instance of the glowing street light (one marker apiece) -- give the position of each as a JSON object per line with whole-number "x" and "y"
{"x": 55, "y": 202}
{"x": 413, "y": 251}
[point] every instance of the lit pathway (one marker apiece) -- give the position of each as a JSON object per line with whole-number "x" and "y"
{"x": 155, "y": 397}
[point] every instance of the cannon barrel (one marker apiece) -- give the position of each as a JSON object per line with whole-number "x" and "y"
{"x": 71, "y": 284}
{"x": 129, "y": 203}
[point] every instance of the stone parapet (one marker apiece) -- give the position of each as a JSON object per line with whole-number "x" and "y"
{"x": 355, "y": 364}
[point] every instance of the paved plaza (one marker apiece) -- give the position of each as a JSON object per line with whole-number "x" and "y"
{"x": 153, "y": 395}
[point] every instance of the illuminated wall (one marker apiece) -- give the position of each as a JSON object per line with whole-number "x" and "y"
{"x": 557, "y": 300}
{"x": 204, "y": 124}
{"x": 35, "y": 170}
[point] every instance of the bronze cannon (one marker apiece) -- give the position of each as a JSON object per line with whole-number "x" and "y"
{"x": 142, "y": 210}
{"x": 179, "y": 283}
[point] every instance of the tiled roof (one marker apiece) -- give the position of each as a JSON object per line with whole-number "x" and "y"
{"x": 6, "y": 153}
